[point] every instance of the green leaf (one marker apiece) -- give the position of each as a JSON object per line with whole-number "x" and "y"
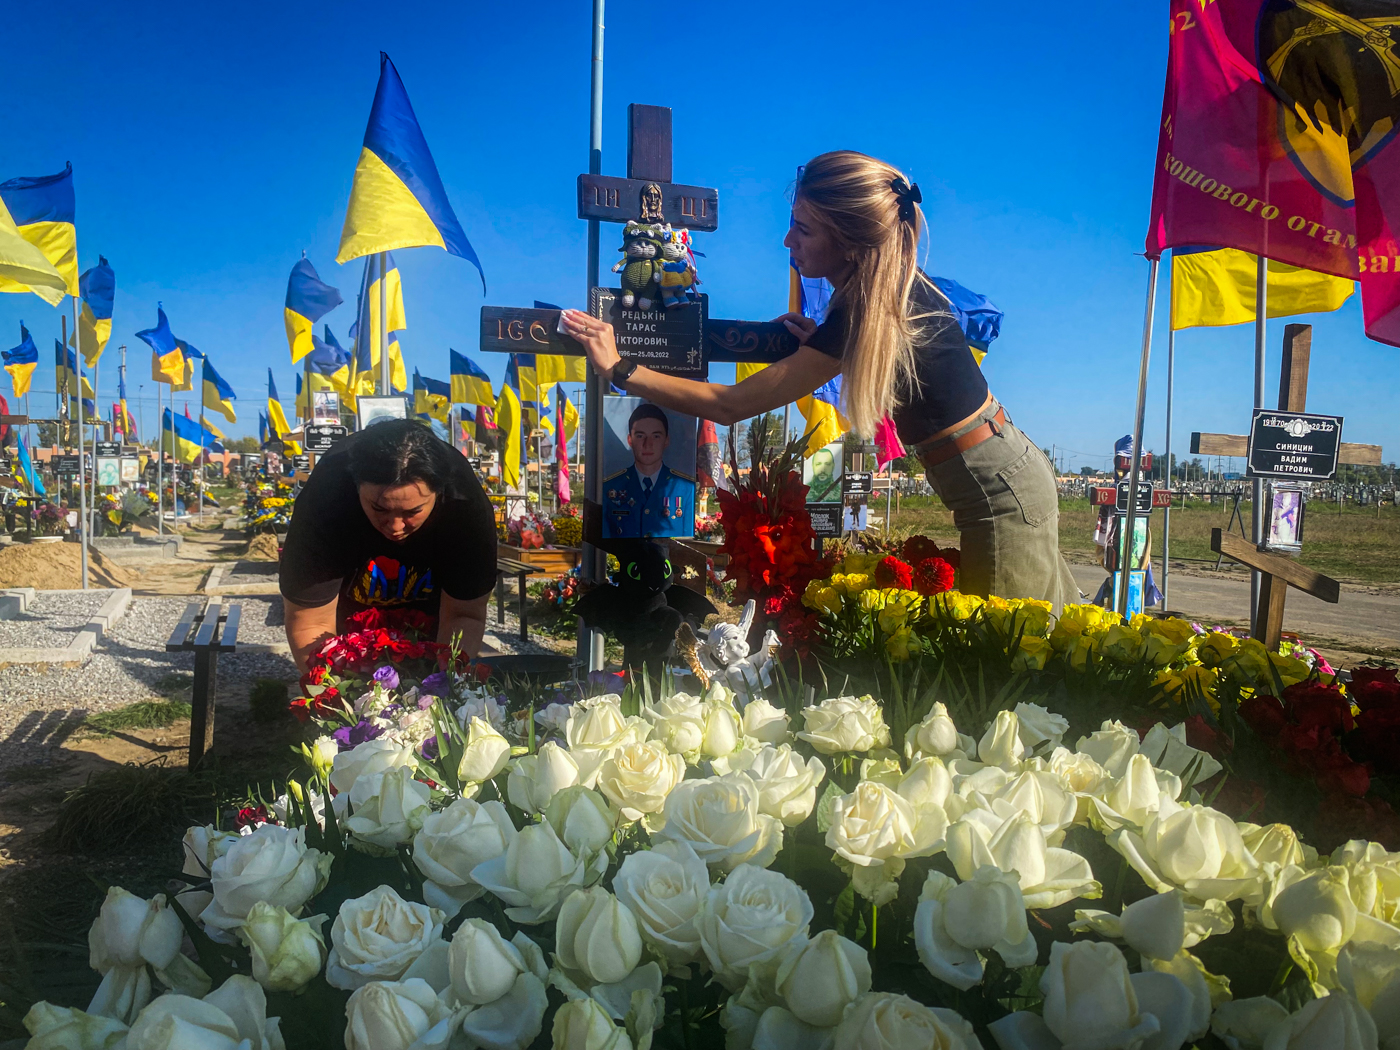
{"x": 825, "y": 804}
{"x": 845, "y": 908}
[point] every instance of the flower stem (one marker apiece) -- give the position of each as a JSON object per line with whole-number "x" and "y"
{"x": 874, "y": 924}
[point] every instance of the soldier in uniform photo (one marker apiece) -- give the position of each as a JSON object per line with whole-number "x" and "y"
{"x": 648, "y": 498}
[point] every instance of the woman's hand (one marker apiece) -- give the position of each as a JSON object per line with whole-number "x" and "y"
{"x": 597, "y": 338}
{"x": 798, "y": 325}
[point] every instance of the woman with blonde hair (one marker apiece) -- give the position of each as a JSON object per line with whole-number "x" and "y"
{"x": 890, "y": 335}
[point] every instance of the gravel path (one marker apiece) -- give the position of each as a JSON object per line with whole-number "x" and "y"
{"x": 51, "y": 621}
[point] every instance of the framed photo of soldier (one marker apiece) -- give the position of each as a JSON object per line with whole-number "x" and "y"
{"x": 648, "y": 470}
{"x": 821, "y": 473}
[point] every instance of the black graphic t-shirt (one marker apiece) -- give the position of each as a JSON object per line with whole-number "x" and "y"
{"x": 334, "y": 553}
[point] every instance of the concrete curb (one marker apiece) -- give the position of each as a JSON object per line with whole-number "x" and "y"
{"x": 15, "y": 600}
{"x": 77, "y": 652}
{"x": 211, "y": 582}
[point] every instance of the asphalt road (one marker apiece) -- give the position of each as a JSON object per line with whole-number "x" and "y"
{"x": 1360, "y": 618}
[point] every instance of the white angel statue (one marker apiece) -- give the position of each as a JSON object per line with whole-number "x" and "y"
{"x": 724, "y": 654}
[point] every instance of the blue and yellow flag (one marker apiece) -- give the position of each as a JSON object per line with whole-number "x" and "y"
{"x": 308, "y": 300}
{"x": 98, "y": 287}
{"x": 534, "y": 398}
{"x": 1216, "y": 286}
{"x": 23, "y": 267}
{"x": 566, "y": 411}
{"x": 127, "y": 424}
{"x": 470, "y": 383}
{"x": 264, "y": 431}
{"x": 508, "y": 420}
{"x": 397, "y": 200}
{"x": 68, "y": 376}
{"x": 559, "y": 368}
{"x": 21, "y": 361}
{"x": 218, "y": 395}
{"x": 431, "y": 397}
{"x": 333, "y": 364}
{"x": 188, "y": 439}
{"x": 42, "y": 208}
{"x": 366, "y": 332}
{"x": 276, "y": 418}
{"x": 26, "y": 469}
{"x": 810, "y": 297}
{"x": 167, "y": 359}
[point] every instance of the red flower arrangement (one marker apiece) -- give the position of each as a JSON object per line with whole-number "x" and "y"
{"x": 891, "y": 572}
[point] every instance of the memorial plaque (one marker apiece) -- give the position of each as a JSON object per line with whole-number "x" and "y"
{"x": 826, "y": 519}
{"x": 1296, "y": 445}
{"x": 301, "y": 462}
{"x": 670, "y": 341}
{"x": 67, "y": 464}
{"x": 321, "y": 436}
{"x": 613, "y": 199}
{"x": 1144, "y": 498}
{"x": 521, "y": 330}
{"x": 109, "y": 448}
{"x": 857, "y": 483}
{"x": 748, "y": 342}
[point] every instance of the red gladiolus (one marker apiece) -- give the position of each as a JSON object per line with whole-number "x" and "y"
{"x": 891, "y": 572}
{"x": 933, "y": 576}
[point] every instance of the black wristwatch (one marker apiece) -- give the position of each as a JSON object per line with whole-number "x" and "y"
{"x": 622, "y": 371}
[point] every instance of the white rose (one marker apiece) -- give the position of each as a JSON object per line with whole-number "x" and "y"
{"x": 286, "y": 952}
{"x": 536, "y": 871}
{"x": 482, "y": 965}
{"x": 1370, "y": 972}
{"x": 787, "y": 787}
{"x": 664, "y": 887}
{"x": 845, "y": 723}
{"x": 935, "y": 736}
{"x": 1203, "y": 989}
{"x": 1049, "y": 876}
{"x": 200, "y": 847}
{"x": 1133, "y": 798}
{"x": 1038, "y": 727}
{"x": 885, "y": 1021}
{"x": 638, "y": 777}
{"x": 1277, "y": 844}
{"x": 1244, "y": 1024}
{"x": 1089, "y": 998}
{"x": 377, "y": 937}
{"x": 387, "y": 809}
{"x": 1039, "y": 795}
{"x": 1159, "y": 926}
{"x": 1317, "y": 909}
{"x": 749, "y": 919}
{"x": 373, "y": 756}
{"x": 1335, "y": 1022}
{"x": 485, "y": 755}
{"x": 720, "y": 820}
{"x": 1080, "y": 773}
{"x": 597, "y": 936}
{"x": 535, "y": 779}
{"x": 764, "y": 722}
{"x": 514, "y": 1020}
{"x": 582, "y": 819}
{"x": 273, "y": 865}
{"x": 1001, "y": 744}
{"x": 63, "y": 1028}
{"x": 554, "y": 717}
{"x": 724, "y": 729}
{"x": 453, "y": 842}
{"x": 582, "y": 1024}
{"x": 483, "y": 705}
{"x": 1110, "y": 747}
{"x": 778, "y": 1028}
{"x": 1167, "y": 749}
{"x": 926, "y": 783}
{"x": 877, "y": 828}
{"x": 1194, "y": 848}
{"x": 956, "y": 922}
{"x": 397, "y": 1015}
{"x": 819, "y": 978}
{"x": 232, "y": 1017}
{"x": 129, "y": 935}
{"x": 677, "y": 723}
{"x": 597, "y": 723}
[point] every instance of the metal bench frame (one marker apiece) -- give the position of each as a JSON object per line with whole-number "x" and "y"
{"x": 207, "y": 631}
{"x": 520, "y": 570}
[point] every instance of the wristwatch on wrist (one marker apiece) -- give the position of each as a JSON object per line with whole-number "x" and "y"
{"x": 622, "y": 371}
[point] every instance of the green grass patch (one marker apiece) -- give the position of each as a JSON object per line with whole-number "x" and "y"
{"x": 173, "y": 683}
{"x": 144, "y": 714}
{"x": 125, "y": 809}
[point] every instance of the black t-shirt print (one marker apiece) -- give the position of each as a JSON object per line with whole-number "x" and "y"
{"x": 333, "y": 553}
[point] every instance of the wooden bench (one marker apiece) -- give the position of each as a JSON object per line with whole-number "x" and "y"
{"x": 520, "y": 570}
{"x": 207, "y": 631}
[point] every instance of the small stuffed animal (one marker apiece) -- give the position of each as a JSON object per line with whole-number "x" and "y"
{"x": 641, "y": 244}
{"x": 677, "y": 268}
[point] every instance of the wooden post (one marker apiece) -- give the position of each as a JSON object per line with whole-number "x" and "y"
{"x": 1278, "y": 573}
{"x": 1292, "y": 397}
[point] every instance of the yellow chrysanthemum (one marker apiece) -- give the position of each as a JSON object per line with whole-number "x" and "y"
{"x": 1032, "y": 654}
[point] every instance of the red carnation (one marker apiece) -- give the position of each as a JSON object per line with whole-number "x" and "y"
{"x": 933, "y": 576}
{"x": 249, "y": 816}
{"x": 891, "y": 572}
{"x": 1373, "y": 687}
{"x": 1311, "y": 704}
{"x": 1263, "y": 714}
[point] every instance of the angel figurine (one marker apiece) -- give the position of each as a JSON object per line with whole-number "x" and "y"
{"x": 724, "y": 655}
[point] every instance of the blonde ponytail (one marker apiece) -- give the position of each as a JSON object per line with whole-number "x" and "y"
{"x": 875, "y": 221}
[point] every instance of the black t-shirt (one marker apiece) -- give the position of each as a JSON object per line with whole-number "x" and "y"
{"x": 950, "y": 386}
{"x": 332, "y": 550}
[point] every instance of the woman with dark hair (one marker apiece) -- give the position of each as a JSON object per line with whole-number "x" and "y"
{"x": 393, "y": 518}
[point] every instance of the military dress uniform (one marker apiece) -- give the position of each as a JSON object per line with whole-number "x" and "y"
{"x": 633, "y": 507}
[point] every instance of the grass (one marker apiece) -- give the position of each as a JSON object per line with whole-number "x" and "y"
{"x": 173, "y": 683}
{"x": 1356, "y": 544}
{"x": 144, "y": 714}
{"x": 124, "y": 809}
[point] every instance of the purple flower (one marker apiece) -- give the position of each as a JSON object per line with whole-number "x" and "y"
{"x": 429, "y": 750}
{"x": 387, "y": 677}
{"x": 352, "y": 736}
{"x": 435, "y": 684}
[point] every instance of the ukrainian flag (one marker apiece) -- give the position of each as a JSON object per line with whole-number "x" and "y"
{"x": 333, "y": 363}
{"x": 263, "y": 433}
{"x": 558, "y": 368}
{"x": 98, "y": 288}
{"x": 318, "y": 382}
{"x": 21, "y": 361}
{"x": 167, "y": 359}
{"x": 508, "y": 419}
{"x": 825, "y": 423}
{"x": 23, "y": 267}
{"x": 366, "y": 331}
{"x": 218, "y": 395}
{"x": 431, "y": 397}
{"x": 191, "y": 354}
{"x": 1216, "y": 286}
{"x": 276, "y": 418}
{"x": 470, "y": 383}
{"x": 26, "y": 468}
{"x": 42, "y": 208}
{"x": 398, "y": 200}
{"x": 128, "y": 426}
{"x": 67, "y": 375}
{"x": 567, "y": 412}
{"x": 188, "y": 439}
{"x": 308, "y": 300}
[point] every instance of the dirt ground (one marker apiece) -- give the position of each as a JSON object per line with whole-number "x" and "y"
{"x": 56, "y": 566}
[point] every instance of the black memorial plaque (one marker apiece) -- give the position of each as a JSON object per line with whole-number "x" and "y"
{"x": 301, "y": 462}
{"x": 321, "y": 436}
{"x": 1144, "y": 498}
{"x": 109, "y": 448}
{"x": 748, "y": 342}
{"x": 1298, "y": 445}
{"x": 670, "y": 341}
{"x": 857, "y": 483}
{"x": 826, "y": 519}
{"x": 69, "y": 464}
{"x": 613, "y": 199}
{"x": 521, "y": 330}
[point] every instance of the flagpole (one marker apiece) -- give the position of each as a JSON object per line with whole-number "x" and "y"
{"x": 97, "y": 422}
{"x": 82, "y": 475}
{"x": 594, "y": 566}
{"x": 1125, "y": 558}
{"x": 385, "y": 374}
{"x": 1261, "y": 311}
{"x": 1167, "y": 455}
{"x": 160, "y": 460}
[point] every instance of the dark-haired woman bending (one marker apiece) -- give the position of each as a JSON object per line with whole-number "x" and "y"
{"x": 391, "y": 518}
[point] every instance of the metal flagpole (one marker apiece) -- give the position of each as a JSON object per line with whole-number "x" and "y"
{"x": 1261, "y": 312}
{"x": 594, "y": 566}
{"x": 160, "y": 460}
{"x": 1125, "y": 557}
{"x": 385, "y": 374}
{"x": 97, "y": 422}
{"x": 1167, "y": 456}
{"x": 82, "y": 475}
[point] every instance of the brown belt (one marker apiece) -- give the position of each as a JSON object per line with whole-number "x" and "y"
{"x": 941, "y": 453}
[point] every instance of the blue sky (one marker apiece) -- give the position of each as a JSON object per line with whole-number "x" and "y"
{"x": 212, "y": 145}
